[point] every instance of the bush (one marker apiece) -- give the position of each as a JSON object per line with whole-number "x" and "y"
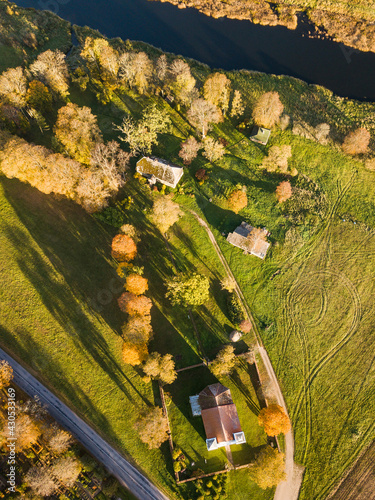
{"x": 111, "y": 216}
{"x": 235, "y": 311}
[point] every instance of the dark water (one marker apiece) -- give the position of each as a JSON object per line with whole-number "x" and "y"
{"x": 226, "y": 43}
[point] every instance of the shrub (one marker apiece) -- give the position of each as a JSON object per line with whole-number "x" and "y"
{"x": 356, "y": 142}
{"x": 235, "y": 310}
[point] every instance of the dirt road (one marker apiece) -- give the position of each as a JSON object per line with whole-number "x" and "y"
{"x": 127, "y": 475}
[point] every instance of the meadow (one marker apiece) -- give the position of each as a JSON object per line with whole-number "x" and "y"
{"x": 311, "y": 297}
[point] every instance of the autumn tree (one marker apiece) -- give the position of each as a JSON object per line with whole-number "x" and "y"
{"x": 269, "y": 468}
{"x": 136, "y": 284}
{"x": 283, "y": 191}
{"x": 13, "y": 119}
{"x": 202, "y": 113}
{"x": 66, "y": 470}
{"x": 152, "y": 427}
{"x": 180, "y": 81}
{"x": 189, "y": 290}
{"x": 123, "y": 248}
{"x": 274, "y": 420}
{"x": 245, "y": 326}
{"x": 102, "y": 61}
{"x": 238, "y": 106}
{"x": 224, "y": 363}
{"x": 27, "y": 431}
{"x": 237, "y": 200}
{"x": 77, "y": 130}
{"x": 160, "y": 70}
{"x": 160, "y": 367}
{"x": 13, "y": 86}
{"x": 51, "y": 68}
{"x": 6, "y": 374}
{"x": 134, "y": 354}
{"x": 213, "y": 150}
{"x": 277, "y": 159}
{"x": 216, "y": 90}
{"x": 41, "y": 480}
{"x": 92, "y": 191}
{"x": 201, "y": 175}
{"x": 142, "y": 135}
{"x": 189, "y": 150}
{"x": 267, "y": 110}
{"x": 112, "y": 163}
{"x": 134, "y": 305}
{"x": 38, "y": 96}
{"x": 356, "y": 142}
{"x": 137, "y": 330}
{"x": 165, "y": 213}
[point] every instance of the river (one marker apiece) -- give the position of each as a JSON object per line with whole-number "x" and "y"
{"x": 226, "y": 43}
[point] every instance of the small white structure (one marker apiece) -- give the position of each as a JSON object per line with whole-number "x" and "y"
{"x": 158, "y": 170}
{"x": 235, "y": 336}
{"x": 195, "y": 406}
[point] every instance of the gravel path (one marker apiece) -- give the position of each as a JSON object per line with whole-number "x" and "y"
{"x": 116, "y": 464}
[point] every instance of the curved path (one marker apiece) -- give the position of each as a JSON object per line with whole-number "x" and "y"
{"x": 289, "y": 489}
{"x": 116, "y": 464}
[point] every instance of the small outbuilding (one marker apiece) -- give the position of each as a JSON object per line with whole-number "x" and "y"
{"x": 220, "y": 417}
{"x": 260, "y": 135}
{"x": 235, "y": 336}
{"x": 158, "y": 170}
{"x": 250, "y": 239}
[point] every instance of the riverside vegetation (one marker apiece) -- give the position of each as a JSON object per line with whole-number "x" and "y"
{"x": 311, "y": 297}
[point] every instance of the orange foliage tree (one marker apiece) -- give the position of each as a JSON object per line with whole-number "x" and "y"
{"x": 123, "y": 248}
{"x": 138, "y": 329}
{"x": 133, "y": 305}
{"x": 237, "y": 200}
{"x": 274, "y": 420}
{"x": 245, "y": 326}
{"x": 134, "y": 354}
{"x": 356, "y": 142}
{"x": 283, "y": 191}
{"x": 136, "y": 284}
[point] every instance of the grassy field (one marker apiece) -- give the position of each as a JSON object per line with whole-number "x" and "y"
{"x": 59, "y": 286}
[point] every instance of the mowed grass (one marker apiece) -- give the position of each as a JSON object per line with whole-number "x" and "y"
{"x": 188, "y": 431}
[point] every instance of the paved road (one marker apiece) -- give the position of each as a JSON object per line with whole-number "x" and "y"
{"x": 127, "y": 475}
{"x": 289, "y": 489}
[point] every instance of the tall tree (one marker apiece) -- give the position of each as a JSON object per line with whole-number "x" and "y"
{"x": 138, "y": 330}
{"x": 202, "y": 113}
{"x": 66, "y": 470}
{"x": 238, "y": 106}
{"x": 267, "y": 110}
{"x": 136, "y": 70}
{"x": 274, "y": 420}
{"x": 269, "y": 468}
{"x": 134, "y": 305}
{"x": 189, "y": 150}
{"x": 77, "y": 130}
{"x": 160, "y": 70}
{"x": 160, "y": 367}
{"x": 13, "y": 86}
{"x": 57, "y": 439}
{"x": 51, "y": 68}
{"x": 39, "y": 97}
{"x": 165, "y": 213}
{"x": 225, "y": 362}
{"x": 134, "y": 354}
{"x": 190, "y": 290}
{"x": 152, "y": 427}
{"x": 112, "y": 162}
{"x": 216, "y": 90}
{"x": 92, "y": 191}
{"x": 27, "y": 431}
{"x": 356, "y": 142}
{"x": 41, "y": 480}
{"x": 181, "y": 82}
{"x": 102, "y": 61}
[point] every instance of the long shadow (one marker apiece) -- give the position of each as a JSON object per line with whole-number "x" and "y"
{"x": 252, "y": 405}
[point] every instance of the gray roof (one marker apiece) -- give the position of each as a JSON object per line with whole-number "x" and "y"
{"x": 214, "y": 395}
{"x": 239, "y": 238}
{"x": 161, "y": 170}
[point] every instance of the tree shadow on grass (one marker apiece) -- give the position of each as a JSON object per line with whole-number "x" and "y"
{"x": 252, "y": 405}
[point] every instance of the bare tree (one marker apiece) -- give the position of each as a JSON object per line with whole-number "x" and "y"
{"x": 66, "y": 470}
{"x": 112, "y": 162}
{"x": 160, "y": 69}
{"x": 13, "y": 86}
{"x": 189, "y": 150}
{"x": 356, "y": 142}
{"x": 92, "y": 193}
{"x": 136, "y": 70}
{"x": 202, "y": 113}
{"x": 181, "y": 82}
{"x": 41, "y": 481}
{"x": 57, "y": 439}
{"x": 165, "y": 213}
{"x": 50, "y": 67}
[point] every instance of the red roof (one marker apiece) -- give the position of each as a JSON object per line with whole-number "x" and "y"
{"x": 221, "y": 422}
